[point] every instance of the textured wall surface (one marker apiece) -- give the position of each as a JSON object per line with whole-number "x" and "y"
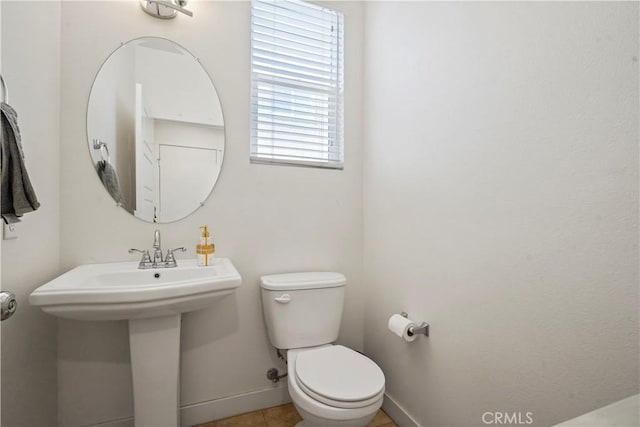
{"x": 267, "y": 219}
{"x": 501, "y": 205}
{"x": 29, "y": 337}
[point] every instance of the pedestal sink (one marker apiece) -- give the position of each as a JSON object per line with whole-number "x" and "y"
{"x": 153, "y": 301}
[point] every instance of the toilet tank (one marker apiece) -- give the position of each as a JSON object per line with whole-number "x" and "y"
{"x": 302, "y": 309}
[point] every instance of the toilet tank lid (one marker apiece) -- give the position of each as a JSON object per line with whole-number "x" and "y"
{"x": 307, "y": 280}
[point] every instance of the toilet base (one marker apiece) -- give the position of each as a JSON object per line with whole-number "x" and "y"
{"x": 311, "y": 420}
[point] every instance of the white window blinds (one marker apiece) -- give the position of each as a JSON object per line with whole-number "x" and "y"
{"x": 297, "y": 75}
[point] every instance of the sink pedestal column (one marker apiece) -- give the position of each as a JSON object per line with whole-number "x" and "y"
{"x": 155, "y": 366}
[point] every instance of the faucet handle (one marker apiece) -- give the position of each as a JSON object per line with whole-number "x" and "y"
{"x": 142, "y": 251}
{"x": 170, "y": 260}
{"x": 146, "y": 258}
{"x": 171, "y": 251}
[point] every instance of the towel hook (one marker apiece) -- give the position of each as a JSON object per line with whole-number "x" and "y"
{"x": 99, "y": 145}
{"x": 5, "y": 90}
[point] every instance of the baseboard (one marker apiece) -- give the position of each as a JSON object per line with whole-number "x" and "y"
{"x": 233, "y": 405}
{"x": 121, "y": 422}
{"x": 397, "y": 413}
{"x": 224, "y": 407}
{"x": 200, "y": 413}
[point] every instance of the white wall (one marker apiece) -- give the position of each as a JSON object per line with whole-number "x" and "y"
{"x": 188, "y": 134}
{"x": 501, "y": 205}
{"x": 267, "y": 219}
{"x": 29, "y": 337}
{"x": 176, "y": 87}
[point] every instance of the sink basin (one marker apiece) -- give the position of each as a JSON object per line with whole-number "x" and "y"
{"x": 121, "y": 291}
{"x": 153, "y": 301}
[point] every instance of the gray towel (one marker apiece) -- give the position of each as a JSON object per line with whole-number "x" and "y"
{"x": 110, "y": 181}
{"x": 16, "y": 191}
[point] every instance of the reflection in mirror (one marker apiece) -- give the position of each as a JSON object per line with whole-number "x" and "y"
{"x": 155, "y": 129}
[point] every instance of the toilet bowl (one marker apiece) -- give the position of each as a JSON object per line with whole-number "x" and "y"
{"x": 334, "y": 386}
{"x": 330, "y": 385}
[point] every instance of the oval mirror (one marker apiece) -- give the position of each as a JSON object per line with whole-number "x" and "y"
{"x": 155, "y": 129}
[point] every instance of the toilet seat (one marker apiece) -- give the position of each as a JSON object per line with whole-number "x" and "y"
{"x": 340, "y": 377}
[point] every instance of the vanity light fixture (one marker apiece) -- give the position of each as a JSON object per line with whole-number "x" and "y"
{"x": 165, "y": 9}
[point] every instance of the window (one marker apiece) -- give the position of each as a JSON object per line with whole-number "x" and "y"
{"x": 297, "y": 86}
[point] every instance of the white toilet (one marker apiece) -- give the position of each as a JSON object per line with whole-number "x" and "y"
{"x": 330, "y": 385}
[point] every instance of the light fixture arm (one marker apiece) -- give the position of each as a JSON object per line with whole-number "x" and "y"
{"x": 154, "y": 8}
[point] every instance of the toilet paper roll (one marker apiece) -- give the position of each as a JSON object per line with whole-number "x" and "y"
{"x": 400, "y": 326}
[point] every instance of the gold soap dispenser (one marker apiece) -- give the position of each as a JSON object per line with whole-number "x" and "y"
{"x": 205, "y": 250}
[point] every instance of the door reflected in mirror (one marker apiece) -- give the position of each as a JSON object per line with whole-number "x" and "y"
{"x": 155, "y": 129}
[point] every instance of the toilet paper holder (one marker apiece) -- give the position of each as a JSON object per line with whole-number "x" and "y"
{"x": 422, "y": 328}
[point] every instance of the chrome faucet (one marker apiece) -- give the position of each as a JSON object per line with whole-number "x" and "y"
{"x": 158, "y": 262}
{"x": 157, "y": 250}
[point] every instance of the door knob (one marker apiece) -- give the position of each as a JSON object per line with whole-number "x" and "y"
{"x": 8, "y": 305}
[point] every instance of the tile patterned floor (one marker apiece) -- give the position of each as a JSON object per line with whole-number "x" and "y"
{"x": 282, "y": 416}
